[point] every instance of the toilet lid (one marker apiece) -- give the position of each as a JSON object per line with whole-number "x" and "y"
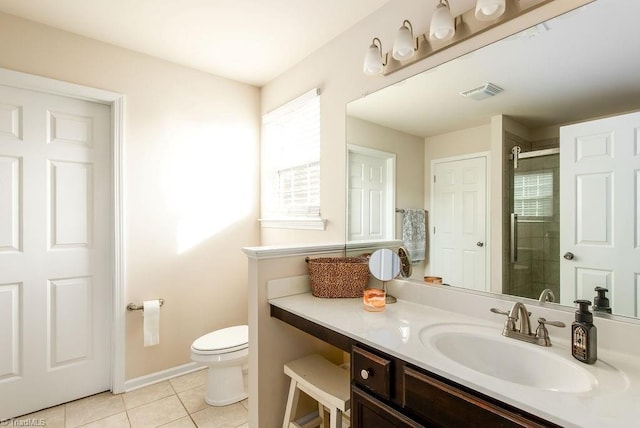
{"x": 230, "y": 337}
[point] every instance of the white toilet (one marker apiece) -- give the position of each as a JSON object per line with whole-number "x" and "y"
{"x": 226, "y": 352}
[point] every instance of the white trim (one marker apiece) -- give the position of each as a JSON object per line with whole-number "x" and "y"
{"x": 356, "y": 246}
{"x": 152, "y": 378}
{"x": 276, "y": 251}
{"x": 116, "y": 102}
{"x": 294, "y": 223}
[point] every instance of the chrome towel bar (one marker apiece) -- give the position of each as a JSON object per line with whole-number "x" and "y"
{"x": 134, "y": 307}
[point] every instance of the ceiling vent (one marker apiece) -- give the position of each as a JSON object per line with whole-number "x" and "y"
{"x": 482, "y": 92}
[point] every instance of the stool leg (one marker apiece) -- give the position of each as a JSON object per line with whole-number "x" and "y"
{"x": 292, "y": 404}
{"x": 336, "y": 418}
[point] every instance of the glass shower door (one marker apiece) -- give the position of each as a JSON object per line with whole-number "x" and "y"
{"x": 534, "y": 220}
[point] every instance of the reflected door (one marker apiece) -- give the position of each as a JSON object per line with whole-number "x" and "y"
{"x": 600, "y": 185}
{"x": 458, "y": 232}
{"x": 55, "y": 289}
{"x": 371, "y": 194}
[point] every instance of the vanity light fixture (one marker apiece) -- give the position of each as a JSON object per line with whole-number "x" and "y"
{"x": 404, "y": 47}
{"x": 442, "y": 23}
{"x": 487, "y": 10}
{"x": 445, "y": 31}
{"x": 373, "y": 62}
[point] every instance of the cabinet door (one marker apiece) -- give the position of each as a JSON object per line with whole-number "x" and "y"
{"x": 368, "y": 412}
{"x": 430, "y": 399}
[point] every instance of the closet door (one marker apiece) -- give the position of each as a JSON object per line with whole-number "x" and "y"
{"x": 55, "y": 280}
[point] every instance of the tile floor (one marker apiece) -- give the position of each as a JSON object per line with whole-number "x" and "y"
{"x": 175, "y": 403}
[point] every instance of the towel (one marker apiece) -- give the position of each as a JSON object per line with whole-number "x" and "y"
{"x": 414, "y": 233}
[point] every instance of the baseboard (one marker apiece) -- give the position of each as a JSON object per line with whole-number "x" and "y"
{"x": 151, "y": 378}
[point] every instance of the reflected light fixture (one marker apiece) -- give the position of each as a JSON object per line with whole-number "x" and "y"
{"x": 373, "y": 63}
{"x": 404, "y": 46}
{"x": 442, "y": 23}
{"x": 487, "y": 10}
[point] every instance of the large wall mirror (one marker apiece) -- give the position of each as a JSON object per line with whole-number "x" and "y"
{"x": 490, "y": 146}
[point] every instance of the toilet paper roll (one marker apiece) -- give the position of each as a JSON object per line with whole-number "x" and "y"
{"x": 151, "y": 315}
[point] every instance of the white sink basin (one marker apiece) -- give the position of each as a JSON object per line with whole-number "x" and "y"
{"x": 485, "y": 350}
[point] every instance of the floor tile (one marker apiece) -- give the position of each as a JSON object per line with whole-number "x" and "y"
{"x": 185, "y": 422}
{"x": 229, "y": 416}
{"x": 116, "y": 421}
{"x": 147, "y": 394}
{"x": 51, "y": 418}
{"x": 157, "y": 413}
{"x": 245, "y": 403}
{"x": 189, "y": 381}
{"x": 193, "y": 399}
{"x": 93, "y": 408}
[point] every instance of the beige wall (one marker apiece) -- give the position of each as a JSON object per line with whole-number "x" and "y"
{"x": 336, "y": 68}
{"x": 272, "y": 342}
{"x": 409, "y": 151}
{"x": 182, "y": 129}
{"x": 457, "y": 143}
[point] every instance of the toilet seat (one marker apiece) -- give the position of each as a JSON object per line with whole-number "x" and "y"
{"x": 224, "y": 341}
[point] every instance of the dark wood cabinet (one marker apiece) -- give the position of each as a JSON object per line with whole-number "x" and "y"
{"x": 368, "y": 412}
{"x": 388, "y": 392}
{"x": 393, "y": 393}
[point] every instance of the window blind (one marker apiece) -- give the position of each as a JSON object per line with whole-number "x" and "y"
{"x": 291, "y": 158}
{"x": 533, "y": 194}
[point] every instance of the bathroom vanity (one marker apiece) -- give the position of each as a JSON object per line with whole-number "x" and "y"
{"x": 405, "y": 371}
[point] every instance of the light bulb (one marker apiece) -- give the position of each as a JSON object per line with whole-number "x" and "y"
{"x": 487, "y": 10}
{"x": 442, "y": 25}
{"x": 403, "y": 45}
{"x": 373, "y": 60}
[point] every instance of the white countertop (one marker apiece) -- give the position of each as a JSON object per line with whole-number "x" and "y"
{"x": 613, "y": 402}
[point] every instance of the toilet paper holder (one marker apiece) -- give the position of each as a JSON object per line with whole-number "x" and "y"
{"x": 134, "y": 307}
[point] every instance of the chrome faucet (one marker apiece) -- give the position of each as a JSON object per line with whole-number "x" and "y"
{"x": 520, "y": 313}
{"x": 547, "y": 296}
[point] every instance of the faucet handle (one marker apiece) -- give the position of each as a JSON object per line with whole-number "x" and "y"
{"x": 543, "y": 321}
{"x": 499, "y": 311}
{"x": 542, "y": 334}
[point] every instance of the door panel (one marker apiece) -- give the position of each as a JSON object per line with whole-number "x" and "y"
{"x": 371, "y": 215}
{"x": 459, "y": 222}
{"x": 599, "y": 189}
{"x": 55, "y": 246}
{"x": 10, "y": 185}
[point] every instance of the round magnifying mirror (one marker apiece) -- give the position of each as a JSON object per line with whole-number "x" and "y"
{"x": 384, "y": 265}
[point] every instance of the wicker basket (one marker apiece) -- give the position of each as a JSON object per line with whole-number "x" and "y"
{"x": 338, "y": 276}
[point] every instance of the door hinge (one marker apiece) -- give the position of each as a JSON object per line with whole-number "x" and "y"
{"x": 434, "y": 230}
{"x": 434, "y": 178}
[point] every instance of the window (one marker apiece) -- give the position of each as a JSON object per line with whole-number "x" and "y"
{"x": 291, "y": 164}
{"x": 533, "y": 194}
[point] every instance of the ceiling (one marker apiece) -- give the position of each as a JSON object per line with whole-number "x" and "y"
{"x": 250, "y": 41}
{"x": 580, "y": 65}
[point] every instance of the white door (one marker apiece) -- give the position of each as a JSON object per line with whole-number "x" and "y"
{"x": 371, "y": 195}
{"x": 55, "y": 285}
{"x": 600, "y": 211}
{"x": 459, "y": 230}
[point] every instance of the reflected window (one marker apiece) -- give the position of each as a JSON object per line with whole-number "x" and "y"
{"x": 533, "y": 194}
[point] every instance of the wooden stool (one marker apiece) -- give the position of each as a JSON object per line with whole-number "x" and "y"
{"x": 323, "y": 381}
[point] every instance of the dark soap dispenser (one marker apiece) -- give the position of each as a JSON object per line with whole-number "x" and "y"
{"x": 601, "y": 302}
{"x": 584, "y": 346}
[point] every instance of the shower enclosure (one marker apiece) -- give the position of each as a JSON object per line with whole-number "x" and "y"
{"x": 532, "y": 260}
